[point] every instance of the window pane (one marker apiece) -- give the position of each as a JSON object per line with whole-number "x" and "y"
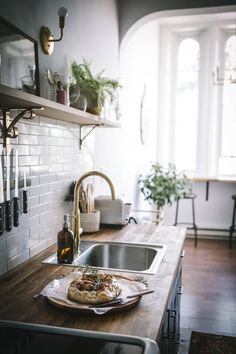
{"x": 228, "y": 140}
{"x": 186, "y": 105}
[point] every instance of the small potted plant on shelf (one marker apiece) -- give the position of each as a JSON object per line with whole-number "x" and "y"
{"x": 162, "y": 186}
{"x": 96, "y": 88}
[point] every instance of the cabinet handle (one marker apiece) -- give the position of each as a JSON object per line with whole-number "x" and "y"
{"x": 181, "y": 290}
{"x": 182, "y": 253}
{"x": 168, "y": 323}
{"x": 173, "y": 315}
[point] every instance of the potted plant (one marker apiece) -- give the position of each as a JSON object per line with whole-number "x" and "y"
{"x": 94, "y": 87}
{"x": 162, "y": 186}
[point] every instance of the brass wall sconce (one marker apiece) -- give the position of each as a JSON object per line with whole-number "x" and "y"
{"x": 46, "y": 37}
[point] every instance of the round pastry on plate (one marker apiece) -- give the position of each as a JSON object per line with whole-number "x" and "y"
{"x": 93, "y": 288}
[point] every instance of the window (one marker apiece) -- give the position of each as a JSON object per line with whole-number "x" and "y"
{"x": 197, "y": 102}
{"x": 186, "y": 112}
{"x": 227, "y": 156}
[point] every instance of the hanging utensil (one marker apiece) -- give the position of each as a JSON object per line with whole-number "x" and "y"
{"x": 82, "y": 200}
{"x": 25, "y": 195}
{"x": 16, "y": 197}
{"x": 90, "y": 200}
{"x": 8, "y": 199}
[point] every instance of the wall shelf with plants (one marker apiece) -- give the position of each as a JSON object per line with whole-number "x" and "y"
{"x": 11, "y": 99}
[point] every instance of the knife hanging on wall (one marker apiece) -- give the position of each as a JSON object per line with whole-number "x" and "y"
{"x": 16, "y": 197}
{"x": 1, "y": 198}
{"x": 8, "y": 199}
{"x": 25, "y": 196}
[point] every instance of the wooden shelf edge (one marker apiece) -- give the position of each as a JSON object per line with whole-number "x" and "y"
{"x": 14, "y": 99}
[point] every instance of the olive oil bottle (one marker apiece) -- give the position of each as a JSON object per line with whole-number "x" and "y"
{"x": 65, "y": 243}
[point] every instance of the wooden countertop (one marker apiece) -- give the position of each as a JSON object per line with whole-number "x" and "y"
{"x": 18, "y": 287}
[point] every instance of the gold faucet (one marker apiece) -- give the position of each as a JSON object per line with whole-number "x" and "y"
{"x": 76, "y": 211}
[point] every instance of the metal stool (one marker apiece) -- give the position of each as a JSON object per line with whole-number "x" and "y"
{"x": 190, "y": 196}
{"x": 233, "y": 226}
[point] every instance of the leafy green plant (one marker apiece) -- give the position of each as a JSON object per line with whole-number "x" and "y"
{"x": 163, "y": 186}
{"x": 98, "y": 85}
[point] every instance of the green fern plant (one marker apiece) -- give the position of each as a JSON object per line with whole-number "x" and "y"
{"x": 98, "y": 85}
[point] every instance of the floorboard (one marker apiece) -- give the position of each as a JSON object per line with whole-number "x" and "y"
{"x": 208, "y": 302}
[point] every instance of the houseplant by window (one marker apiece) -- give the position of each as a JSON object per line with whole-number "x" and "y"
{"x": 94, "y": 87}
{"x": 162, "y": 186}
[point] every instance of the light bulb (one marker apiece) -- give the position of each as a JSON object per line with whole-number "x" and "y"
{"x": 62, "y": 12}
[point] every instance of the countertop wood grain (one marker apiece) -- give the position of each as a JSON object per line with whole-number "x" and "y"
{"x": 18, "y": 287}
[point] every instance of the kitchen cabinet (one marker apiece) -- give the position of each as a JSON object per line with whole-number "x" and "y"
{"x": 170, "y": 338}
{"x": 12, "y": 99}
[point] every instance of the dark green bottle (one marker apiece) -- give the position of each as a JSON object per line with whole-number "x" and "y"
{"x": 65, "y": 243}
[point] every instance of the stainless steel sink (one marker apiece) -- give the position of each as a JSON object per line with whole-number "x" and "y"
{"x": 118, "y": 256}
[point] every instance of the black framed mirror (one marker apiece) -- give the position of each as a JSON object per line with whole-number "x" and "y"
{"x": 19, "y": 66}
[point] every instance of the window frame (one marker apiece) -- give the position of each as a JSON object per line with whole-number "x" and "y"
{"x": 209, "y": 129}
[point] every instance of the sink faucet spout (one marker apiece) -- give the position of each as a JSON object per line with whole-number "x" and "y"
{"x": 76, "y": 211}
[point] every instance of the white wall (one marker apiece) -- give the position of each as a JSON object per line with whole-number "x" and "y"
{"x": 121, "y": 152}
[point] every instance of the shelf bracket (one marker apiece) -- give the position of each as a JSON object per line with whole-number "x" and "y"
{"x": 9, "y": 130}
{"x": 82, "y": 138}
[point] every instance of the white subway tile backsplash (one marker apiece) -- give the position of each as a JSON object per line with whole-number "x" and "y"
{"x": 3, "y": 256}
{"x": 22, "y": 235}
{"x": 56, "y": 150}
{"x": 56, "y": 132}
{"x": 12, "y": 241}
{"x": 23, "y": 150}
{"x": 3, "y": 243}
{"x": 3, "y": 267}
{"x": 33, "y": 201}
{"x": 49, "y": 153}
{"x": 33, "y": 221}
{"x": 47, "y": 197}
{"x": 25, "y": 139}
{"x": 63, "y": 176}
{"x": 36, "y": 130}
{"x": 39, "y": 247}
{"x": 49, "y": 178}
{"x": 24, "y": 245}
{"x": 55, "y": 168}
{"x": 39, "y": 170}
{"x": 23, "y": 221}
{"x": 34, "y": 180}
{"x": 56, "y": 186}
{"x": 38, "y": 209}
{"x": 46, "y": 217}
{"x": 47, "y": 141}
{"x": 48, "y": 234}
{"x": 47, "y": 159}
{"x": 13, "y": 251}
{"x": 38, "y": 150}
{"x": 47, "y": 122}
{"x": 37, "y": 190}
{"x": 28, "y": 160}
{"x": 15, "y": 261}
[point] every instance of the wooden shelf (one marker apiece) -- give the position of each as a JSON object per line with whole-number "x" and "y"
{"x": 11, "y": 98}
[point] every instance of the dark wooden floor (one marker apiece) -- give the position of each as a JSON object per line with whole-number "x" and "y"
{"x": 208, "y": 303}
